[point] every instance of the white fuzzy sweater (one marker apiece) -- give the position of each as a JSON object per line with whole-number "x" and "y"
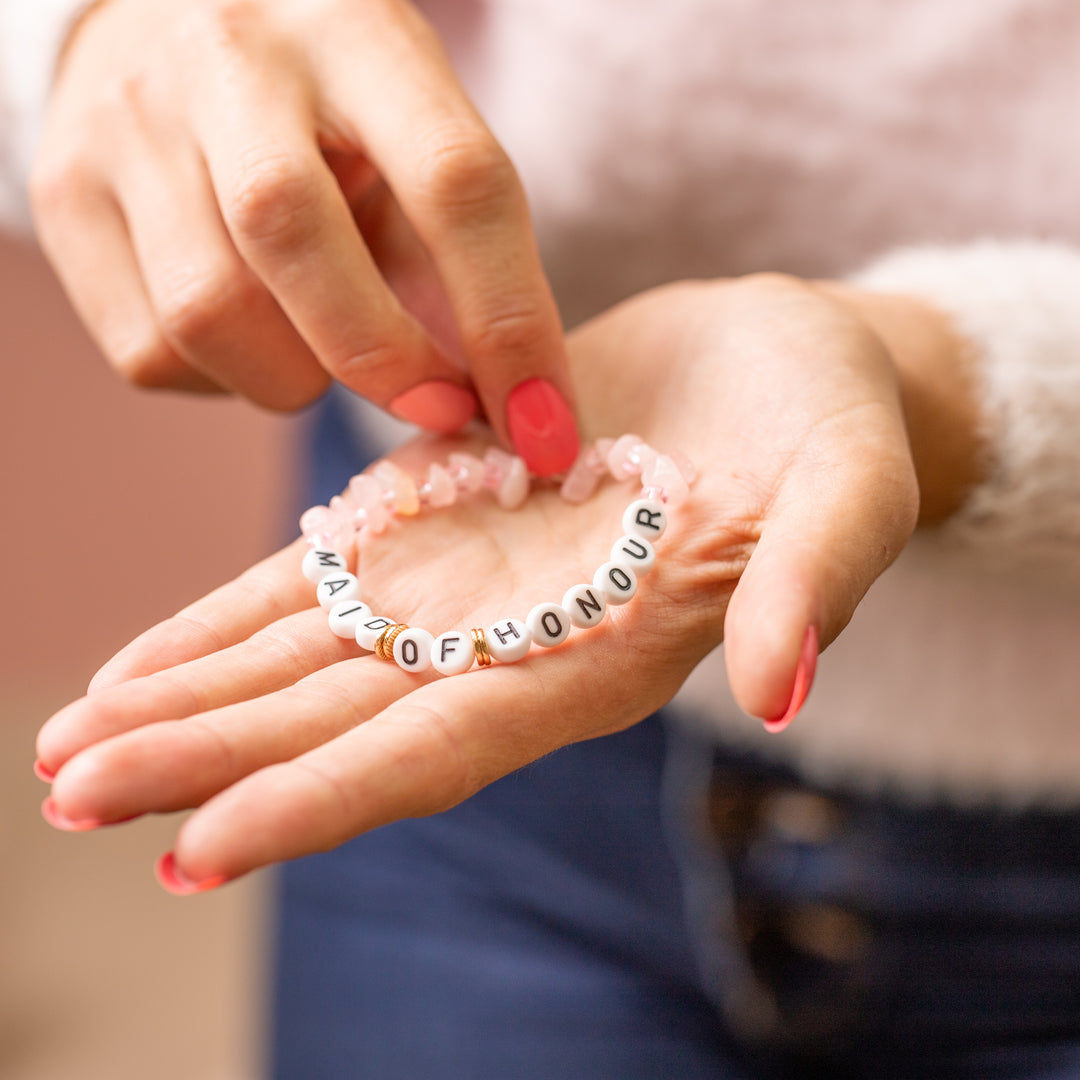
{"x": 935, "y": 144}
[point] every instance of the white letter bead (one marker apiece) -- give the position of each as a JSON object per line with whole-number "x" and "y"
{"x": 336, "y": 587}
{"x": 549, "y": 624}
{"x": 345, "y": 615}
{"x": 645, "y": 517}
{"x": 585, "y": 605}
{"x": 618, "y": 583}
{"x": 452, "y": 653}
{"x": 635, "y": 552}
{"x": 508, "y": 641}
{"x": 412, "y": 649}
{"x": 368, "y": 631}
{"x": 319, "y": 562}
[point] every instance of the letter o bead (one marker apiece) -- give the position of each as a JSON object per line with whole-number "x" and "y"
{"x": 618, "y": 583}
{"x": 645, "y": 517}
{"x": 585, "y": 604}
{"x": 345, "y": 617}
{"x": 508, "y": 641}
{"x": 452, "y": 653}
{"x": 412, "y": 649}
{"x": 549, "y": 624}
{"x": 318, "y": 562}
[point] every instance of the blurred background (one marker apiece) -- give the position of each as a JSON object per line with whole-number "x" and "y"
{"x": 119, "y": 506}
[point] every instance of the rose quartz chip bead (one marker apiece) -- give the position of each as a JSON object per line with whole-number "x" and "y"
{"x": 662, "y": 473}
{"x": 467, "y": 472}
{"x": 400, "y": 486}
{"x": 507, "y": 476}
{"x": 623, "y": 458}
{"x": 441, "y": 489}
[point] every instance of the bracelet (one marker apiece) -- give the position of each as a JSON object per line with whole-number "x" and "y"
{"x": 375, "y": 497}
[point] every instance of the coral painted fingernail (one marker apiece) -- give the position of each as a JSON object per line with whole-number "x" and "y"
{"x": 59, "y": 820}
{"x": 436, "y": 405}
{"x": 804, "y": 679}
{"x": 542, "y": 427}
{"x": 43, "y": 772}
{"x": 172, "y": 880}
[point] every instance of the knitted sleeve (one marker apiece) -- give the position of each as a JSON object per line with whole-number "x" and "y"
{"x": 1019, "y": 304}
{"x": 32, "y": 33}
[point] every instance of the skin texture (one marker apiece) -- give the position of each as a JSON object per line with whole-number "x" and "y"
{"x": 262, "y": 195}
{"x": 783, "y": 393}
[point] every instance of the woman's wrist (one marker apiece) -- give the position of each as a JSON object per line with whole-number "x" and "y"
{"x": 938, "y": 389}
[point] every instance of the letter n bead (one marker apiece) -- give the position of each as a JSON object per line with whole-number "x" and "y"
{"x": 585, "y": 604}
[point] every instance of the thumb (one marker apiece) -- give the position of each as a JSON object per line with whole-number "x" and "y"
{"x": 819, "y": 552}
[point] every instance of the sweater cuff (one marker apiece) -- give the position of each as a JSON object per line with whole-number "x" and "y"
{"x": 1017, "y": 304}
{"x": 31, "y": 38}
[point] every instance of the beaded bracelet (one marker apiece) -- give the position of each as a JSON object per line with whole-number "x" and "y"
{"x": 373, "y": 498}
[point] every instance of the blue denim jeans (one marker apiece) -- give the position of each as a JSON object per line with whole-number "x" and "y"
{"x": 645, "y": 907}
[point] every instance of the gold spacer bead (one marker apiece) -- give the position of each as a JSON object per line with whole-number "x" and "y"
{"x": 480, "y": 647}
{"x": 384, "y": 644}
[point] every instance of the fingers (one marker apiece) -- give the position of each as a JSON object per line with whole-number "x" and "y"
{"x": 425, "y": 753}
{"x": 267, "y": 591}
{"x": 289, "y": 220}
{"x": 180, "y": 763}
{"x": 83, "y": 231}
{"x": 210, "y": 308}
{"x": 275, "y": 657}
{"x": 828, "y": 537}
{"x": 461, "y": 194}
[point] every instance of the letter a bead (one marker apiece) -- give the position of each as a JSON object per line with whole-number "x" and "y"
{"x": 337, "y": 587}
{"x": 585, "y": 605}
{"x": 412, "y": 649}
{"x": 452, "y": 653}
{"x": 508, "y": 641}
{"x": 549, "y": 624}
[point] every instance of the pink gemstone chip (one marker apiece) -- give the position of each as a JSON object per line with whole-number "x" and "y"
{"x": 468, "y": 472}
{"x": 513, "y": 488}
{"x": 684, "y": 465}
{"x": 442, "y": 489}
{"x": 402, "y": 489}
{"x": 663, "y": 473}
{"x": 582, "y": 478}
{"x": 622, "y": 458}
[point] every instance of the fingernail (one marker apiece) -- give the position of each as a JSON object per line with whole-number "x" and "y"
{"x": 43, "y": 772}
{"x": 542, "y": 427}
{"x": 59, "y": 820}
{"x": 804, "y": 679}
{"x": 436, "y": 405}
{"x": 171, "y": 879}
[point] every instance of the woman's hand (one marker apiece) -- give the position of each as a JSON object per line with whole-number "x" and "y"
{"x": 288, "y": 741}
{"x": 259, "y": 195}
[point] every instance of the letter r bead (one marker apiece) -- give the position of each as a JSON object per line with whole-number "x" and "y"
{"x": 645, "y": 518}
